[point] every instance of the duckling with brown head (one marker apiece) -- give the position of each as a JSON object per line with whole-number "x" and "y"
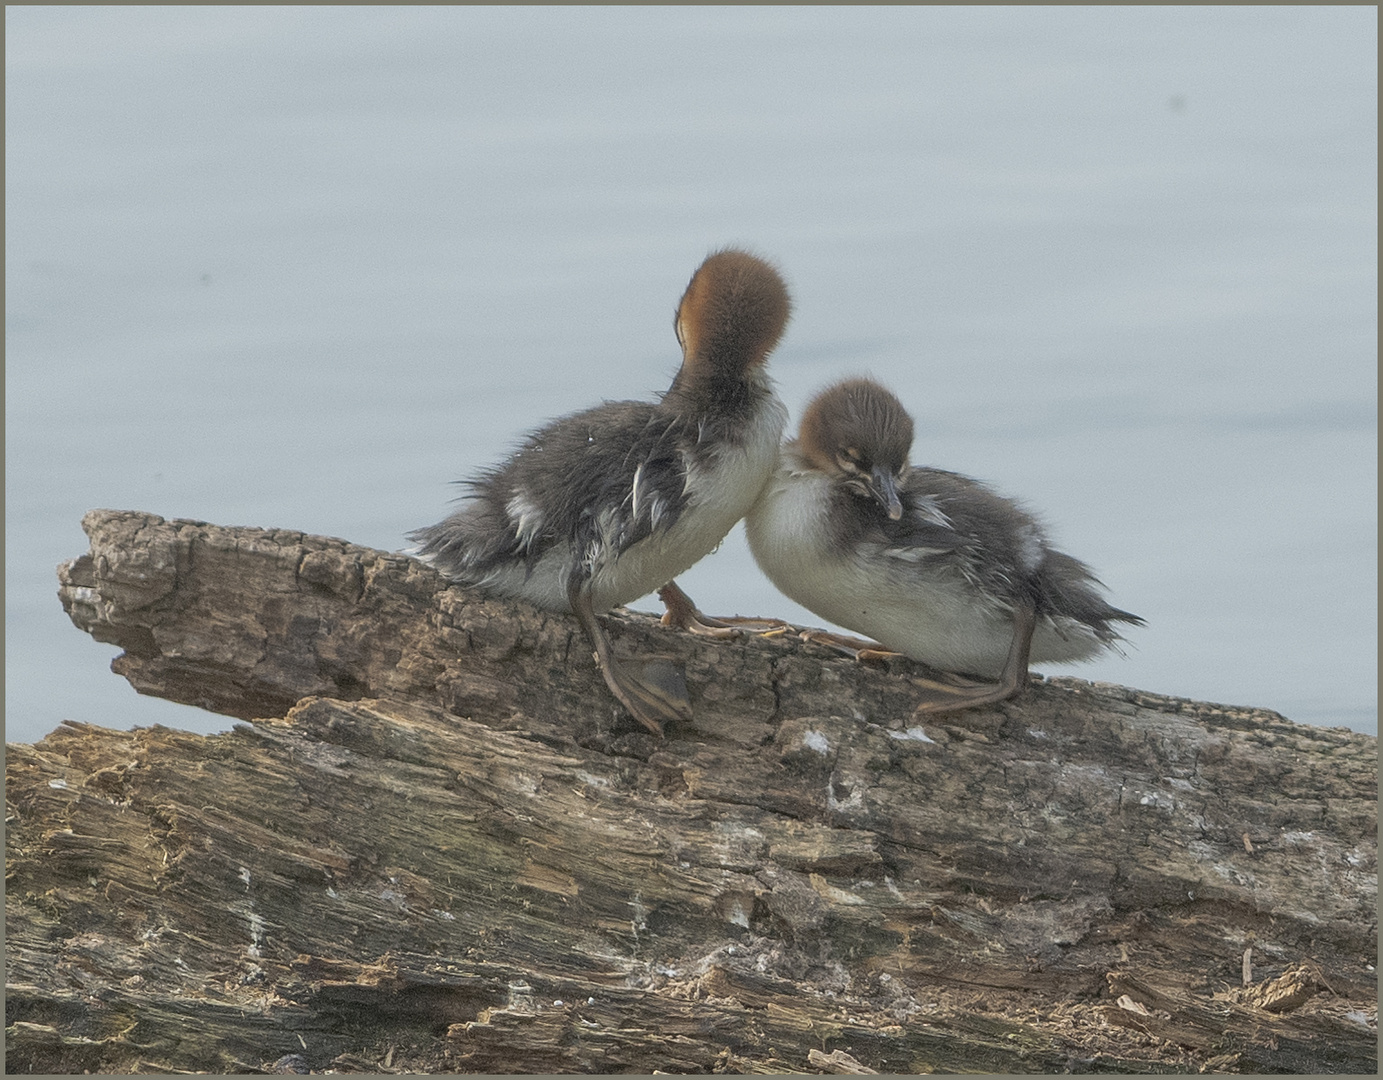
{"x": 929, "y": 563}
{"x": 603, "y": 506}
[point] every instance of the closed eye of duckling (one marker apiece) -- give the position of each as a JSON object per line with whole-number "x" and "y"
{"x": 848, "y": 458}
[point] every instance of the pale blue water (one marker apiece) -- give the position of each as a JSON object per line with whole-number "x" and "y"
{"x": 302, "y": 267}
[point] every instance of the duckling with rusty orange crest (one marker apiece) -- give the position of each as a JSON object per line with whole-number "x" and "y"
{"x": 601, "y": 507}
{"x": 928, "y": 563}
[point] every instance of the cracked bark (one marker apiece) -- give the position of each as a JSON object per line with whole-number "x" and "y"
{"x": 439, "y": 845}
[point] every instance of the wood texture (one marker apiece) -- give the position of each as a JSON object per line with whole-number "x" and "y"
{"x": 441, "y": 846}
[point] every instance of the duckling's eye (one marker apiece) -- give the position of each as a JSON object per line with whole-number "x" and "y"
{"x": 849, "y": 459}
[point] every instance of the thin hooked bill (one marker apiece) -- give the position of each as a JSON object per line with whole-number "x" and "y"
{"x": 885, "y": 490}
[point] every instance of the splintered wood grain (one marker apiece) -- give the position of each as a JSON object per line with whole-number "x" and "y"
{"x": 442, "y": 848}
{"x": 369, "y": 872}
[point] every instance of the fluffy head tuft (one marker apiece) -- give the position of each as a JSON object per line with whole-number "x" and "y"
{"x": 854, "y": 427}
{"x": 733, "y": 312}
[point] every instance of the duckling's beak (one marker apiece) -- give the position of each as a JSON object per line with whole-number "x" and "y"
{"x": 883, "y": 488}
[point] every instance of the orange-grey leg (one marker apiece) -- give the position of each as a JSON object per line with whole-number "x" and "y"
{"x": 682, "y": 613}
{"x": 940, "y": 697}
{"x": 654, "y": 691}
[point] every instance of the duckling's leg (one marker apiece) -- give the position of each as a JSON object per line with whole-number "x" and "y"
{"x": 652, "y": 690}
{"x": 683, "y": 614}
{"x": 940, "y": 697}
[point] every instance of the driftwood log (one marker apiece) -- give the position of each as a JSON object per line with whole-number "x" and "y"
{"x": 439, "y": 845}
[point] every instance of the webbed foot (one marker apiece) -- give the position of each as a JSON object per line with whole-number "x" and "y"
{"x": 653, "y": 691}
{"x": 858, "y": 648}
{"x": 937, "y": 696}
{"x": 683, "y": 614}
{"x": 957, "y": 692}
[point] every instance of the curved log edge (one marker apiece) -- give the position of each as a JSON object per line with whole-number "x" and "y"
{"x": 441, "y": 847}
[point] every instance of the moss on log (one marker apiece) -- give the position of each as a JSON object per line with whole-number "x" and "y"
{"x": 439, "y": 846}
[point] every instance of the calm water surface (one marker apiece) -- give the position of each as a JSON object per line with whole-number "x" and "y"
{"x": 302, "y": 267}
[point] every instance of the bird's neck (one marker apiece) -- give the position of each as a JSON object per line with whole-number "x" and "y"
{"x": 713, "y": 395}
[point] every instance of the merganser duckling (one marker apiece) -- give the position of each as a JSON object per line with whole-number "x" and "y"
{"x": 601, "y": 507}
{"x": 930, "y": 564}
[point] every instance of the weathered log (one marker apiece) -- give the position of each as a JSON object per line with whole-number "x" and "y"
{"x": 441, "y": 846}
